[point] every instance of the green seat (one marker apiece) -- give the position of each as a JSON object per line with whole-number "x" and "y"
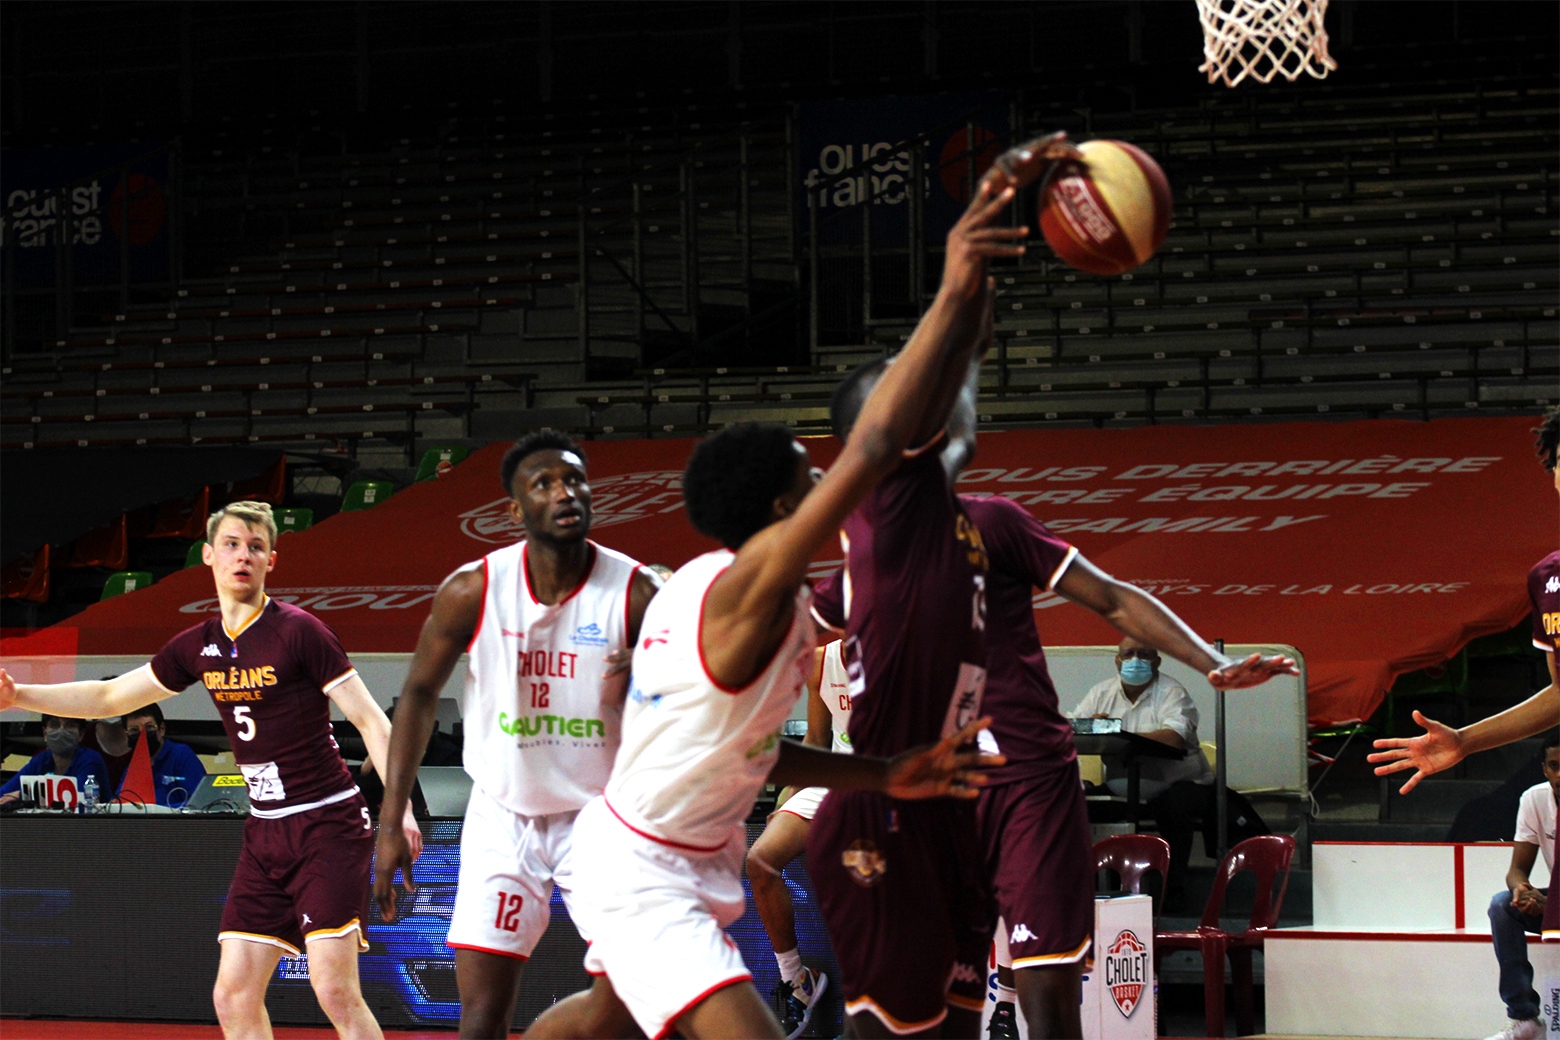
{"x": 193, "y": 557}
{"x": 366, "y": 494}
{"x": 121, "y": 582}
{"x": 435, "y": 458}
{"x": 293, "y": 520}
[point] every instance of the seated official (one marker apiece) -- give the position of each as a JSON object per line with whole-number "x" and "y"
{"x": 176, "y": 770}
{"x": 63, "y": 755}
{"x": 1177, "y": 793}
{"x": 1519, "y": 909}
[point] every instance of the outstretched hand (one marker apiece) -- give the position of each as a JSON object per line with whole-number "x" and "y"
{"x": 941, "y": 769}
{"x": 1439, "y": 747}
{"x": 1252, "y": 671}
{"x": 977, "y": 239}
{"x": 396, "y": 849}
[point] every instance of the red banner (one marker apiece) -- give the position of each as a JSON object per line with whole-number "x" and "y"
{"x": 1374, "y": 547}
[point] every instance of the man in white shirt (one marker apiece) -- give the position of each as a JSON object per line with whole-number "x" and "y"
{"x": 1178, "y": 792}
{"x": 1519, "y": 909}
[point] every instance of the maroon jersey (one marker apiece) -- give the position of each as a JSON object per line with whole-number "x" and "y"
{"x": 1026, "y": 720}
{"x": 912, "y": 601}
{"x": 1544, "y": 593}
{"x": 268, "y": 680}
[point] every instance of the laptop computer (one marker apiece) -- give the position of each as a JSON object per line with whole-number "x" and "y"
{"x": 220, "y": 793}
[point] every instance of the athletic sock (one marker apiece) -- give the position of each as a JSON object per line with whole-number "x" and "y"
{"x": 1005, "y": 995}
{"x": 790, "y": 964}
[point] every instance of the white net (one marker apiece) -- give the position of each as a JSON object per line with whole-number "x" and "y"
{"x": 1261, "y": 39}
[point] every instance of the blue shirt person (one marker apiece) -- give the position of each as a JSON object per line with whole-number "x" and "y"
{"x": 176, "y": 770}
{"x": 64, "y": 756}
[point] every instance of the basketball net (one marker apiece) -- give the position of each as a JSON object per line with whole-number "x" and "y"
{"x": 1262, "y": 39}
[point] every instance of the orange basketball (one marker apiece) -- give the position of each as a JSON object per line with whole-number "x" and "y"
{"x": 1108, "y": 213}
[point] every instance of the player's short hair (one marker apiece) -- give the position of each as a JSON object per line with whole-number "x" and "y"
{"x": 733, "y": 478}
{"x": 65, "y": 720}
{"x": 545, "y": 439}
{"x": 851, "y": 394}
{"x": 253, "y": 514}
{"x": 152, "y": 711}
{"x": 1548, "y": 437}
{"x": 1551, "y": 739}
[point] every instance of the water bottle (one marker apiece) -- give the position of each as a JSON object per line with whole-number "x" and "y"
{"x": 89, "y": 795}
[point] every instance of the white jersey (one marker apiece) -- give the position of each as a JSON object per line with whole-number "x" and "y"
{"x": 695, "y": 755}
{"x": 542, "y": 718}
{"x": 834, "y": 689}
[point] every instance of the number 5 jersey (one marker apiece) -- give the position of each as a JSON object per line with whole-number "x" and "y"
{"x": 269, "y": 679}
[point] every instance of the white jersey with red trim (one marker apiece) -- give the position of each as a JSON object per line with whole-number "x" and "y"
{"x": 834, "y": 690}
{"x": 695, "y": 754}
{"x": 542, "y": 717}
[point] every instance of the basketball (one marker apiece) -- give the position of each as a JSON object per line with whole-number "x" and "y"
{"x": 1109, "y": 212}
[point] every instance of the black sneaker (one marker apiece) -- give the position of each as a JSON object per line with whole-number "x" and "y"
{"x": 1004, "y": 1023}
{"x": 794, "y": 1003}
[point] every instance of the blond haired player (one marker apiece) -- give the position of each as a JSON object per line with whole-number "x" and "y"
{"x": 785, "y": 838}
{"x": 722, "y": 657}
{"x": 273, "y": 672}
{"x": 542, "y": 711}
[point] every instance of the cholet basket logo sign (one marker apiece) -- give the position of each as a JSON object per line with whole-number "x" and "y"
{"x": 614, "y": 500}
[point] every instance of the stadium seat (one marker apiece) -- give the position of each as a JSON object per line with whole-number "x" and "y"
{"x": 366, "y": 494}
{"x": 121, "y": 582}
{"x": 1268, "y": 857}
{"x": 1132, "y": 856}
{"x": 438, "y": 461}
{"x": 296, "y": 519}
{"x": 193, "y": 557}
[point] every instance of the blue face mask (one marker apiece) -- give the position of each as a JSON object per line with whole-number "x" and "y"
{"x": 1136, "y": 672}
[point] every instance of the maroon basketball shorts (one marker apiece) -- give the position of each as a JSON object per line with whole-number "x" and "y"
{"x": 1040, "y": 861}
{"x": 902, "y": 889}
{"x": 302, "y": 877}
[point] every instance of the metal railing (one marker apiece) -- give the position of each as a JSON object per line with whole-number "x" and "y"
{"x": 64, "y": 219}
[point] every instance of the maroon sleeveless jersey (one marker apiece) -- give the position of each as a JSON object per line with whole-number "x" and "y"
{"x": 1026, "y": 720}
{"x": 912, "y": 601}
{"x": 1544, "y": 593}
{"x": 269, "y": 680}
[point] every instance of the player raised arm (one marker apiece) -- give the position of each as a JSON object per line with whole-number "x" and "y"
{"x": 457, "y": 609}
{"x": 1139, "y": 615}
{"x": 749, "y": 606}
{"x": 90, "y": 699}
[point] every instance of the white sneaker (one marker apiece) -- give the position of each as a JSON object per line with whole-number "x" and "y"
{"x": 797, "y": 1001}
{"x": 1521, "y": 1029}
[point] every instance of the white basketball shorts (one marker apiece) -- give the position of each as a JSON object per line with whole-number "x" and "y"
{"x": 657, "y": 915}
{"x": 508, "y": 866}
{"x": 804, "y": 803}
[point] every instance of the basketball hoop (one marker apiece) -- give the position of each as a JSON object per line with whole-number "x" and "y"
{"x": 1262, "y": 39}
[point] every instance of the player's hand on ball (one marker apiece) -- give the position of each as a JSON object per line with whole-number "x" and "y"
{"x": 1023, "y": 164}
{"x": 1253, "y": 671}
{"x": 1439, "y": 747}
{"x": 394, "y": 851}
{"x": 941, "y": 769}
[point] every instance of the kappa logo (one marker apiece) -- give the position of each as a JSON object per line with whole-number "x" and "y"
{"x": 1553, "y": 584}
{"x": 1021, "y": 934}
{"x": 963, "y": 973}
{"x": 210, "y": 650}
{"x": 864, "y": 863}
{"x": 614, "y": 500}
{"x": 1126, "y": 971}
{"x": 589, "y": 635}
{"x": 306, "y": 920}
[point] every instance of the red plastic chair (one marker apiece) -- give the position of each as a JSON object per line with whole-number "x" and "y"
{"x": 1268, "y": 857}
{"x": 1131, "y": 857}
